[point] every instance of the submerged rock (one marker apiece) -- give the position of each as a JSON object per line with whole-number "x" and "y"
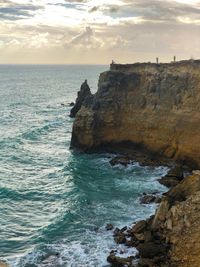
{"x": 109, "y": 227}
{"x": 123, "y": 160}
{"x": 83, "y": 94}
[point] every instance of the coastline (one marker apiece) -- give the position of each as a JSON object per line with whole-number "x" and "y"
{"x": 147, "y": 112}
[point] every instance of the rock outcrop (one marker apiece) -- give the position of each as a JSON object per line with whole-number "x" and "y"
{"x": 153, "y": 106}
{"x": 170, "y": 238}
{"x": 83, "y": 94}
{"x": 177, "y": 219}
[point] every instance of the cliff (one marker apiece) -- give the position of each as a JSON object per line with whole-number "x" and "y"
{"x": 177, "y": 220}
{"x": 171, "y": 237}
{"x": 153, "y": 106}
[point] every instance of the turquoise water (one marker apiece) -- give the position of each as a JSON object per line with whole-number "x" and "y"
{"x": 54, "y": 204}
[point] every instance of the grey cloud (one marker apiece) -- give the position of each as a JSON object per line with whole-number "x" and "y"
{"x": 13, "y": 11}
{"x": 76, "y": 1}
{"x": 94, "y": 9}
{"x": 105, "y": 9}
{"x": 166, "y": 11}
{"x": 157, "y": 10}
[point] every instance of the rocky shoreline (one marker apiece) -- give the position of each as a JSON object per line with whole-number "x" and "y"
{"x": 153, "y": 248}
{"x": 151, "y": 114}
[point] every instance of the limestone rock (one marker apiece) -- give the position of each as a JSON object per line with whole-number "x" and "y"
{"x": 147, "y": 199}
{"x": 139, "y": 227}
{"x": 83, "y": 94}
{"x": 152, "y": 106}
{"x": 119, "y": 262}
{"x": 150, "y": 250}
{"x": 123, "y": 160}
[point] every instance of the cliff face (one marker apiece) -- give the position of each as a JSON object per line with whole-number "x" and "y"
{"x": 177, "y": 219}
{"x": 154, "y": 106}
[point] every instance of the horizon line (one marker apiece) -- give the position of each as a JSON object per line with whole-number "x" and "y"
{"x": 51, "y": 64}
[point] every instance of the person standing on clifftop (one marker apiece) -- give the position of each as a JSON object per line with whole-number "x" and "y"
{"x": 157, "y": 60}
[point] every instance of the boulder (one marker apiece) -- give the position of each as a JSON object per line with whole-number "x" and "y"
{"x": 119, "y": 262}
{"x": 173, "y": 177}
{"x": 139, "y": 227}
{"x": 147, "y": 199}
{"x": 150, "y": 250}
{"x": 177, "y": 172}
{"x": 123, "y": 160}
{"x": 109, "y": 227}
{"x": 169, "y": 181}
{"x": 120, "y": 238}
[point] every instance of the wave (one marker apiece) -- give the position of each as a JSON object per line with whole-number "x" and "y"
{"x": 36, "y": 132}
{"x": 8, "y": 193}
{"x": 31, "y": 134}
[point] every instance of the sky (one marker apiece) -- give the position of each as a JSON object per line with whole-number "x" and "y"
{"x": 98, "y": 31}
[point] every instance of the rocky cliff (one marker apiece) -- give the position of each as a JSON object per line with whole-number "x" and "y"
{"x": 82, "y": 95}
{"x": 154, "y": 106}
{"x": 171, "y": 237}
{"x": 177, "y": 221}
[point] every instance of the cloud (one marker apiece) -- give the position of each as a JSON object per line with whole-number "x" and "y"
{"x": 15, "y": 11}
{"x": 97, "y": 30}
{"x": 159, "y": 10}
{"x": 86, "y": 39}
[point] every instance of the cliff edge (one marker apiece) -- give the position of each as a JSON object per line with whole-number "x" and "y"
{"x": 154, "y": 106}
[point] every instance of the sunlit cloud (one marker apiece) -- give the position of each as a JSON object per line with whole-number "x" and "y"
{"x": 96, "y": 31}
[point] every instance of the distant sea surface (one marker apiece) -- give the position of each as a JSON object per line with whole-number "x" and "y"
{"x": 55, "y": 204}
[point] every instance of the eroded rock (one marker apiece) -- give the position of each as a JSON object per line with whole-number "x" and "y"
{"x": 109, "y": 227}
{"x": 83, "y": 94}
{"x": 152, "y": 106}
{"x": 120, "y": 262}
{"x": 173, "y": 177}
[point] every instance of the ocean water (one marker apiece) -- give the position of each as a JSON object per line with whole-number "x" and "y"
{"x": 55, "y": 204}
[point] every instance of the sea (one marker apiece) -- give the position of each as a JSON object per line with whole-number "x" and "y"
{"x": 55, "y": 203}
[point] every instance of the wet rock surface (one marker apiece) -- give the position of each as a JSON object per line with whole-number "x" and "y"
{"x": 150, "y": 198}
{"x": 153, "y": 109}
{"x": 123, "y": 160}
{"x": 109, "y": 227}
{"x": 161, "y": 239}
{"x": 120, "y": 262}
{"x": 173, "y": 177}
